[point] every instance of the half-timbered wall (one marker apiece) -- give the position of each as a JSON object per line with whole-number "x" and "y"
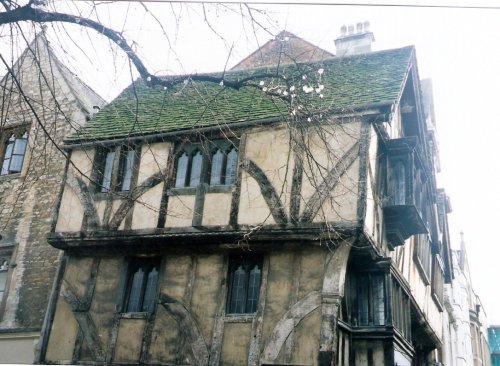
{"x": 189, "y": 324}
{"x": 283, "y": 177}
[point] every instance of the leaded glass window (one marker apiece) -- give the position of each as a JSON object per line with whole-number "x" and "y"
{"x": 216, "y": 168}
{"x": 181, "y": 172}
{"x": 127, "y": 161}
{"x": 244, "y": 285}
{"x": 196, "y": 166}
{"x": 232, "y": 161}
{"x": 142, "y": 285}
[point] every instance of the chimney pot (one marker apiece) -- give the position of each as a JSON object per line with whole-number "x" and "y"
{"x": 366, "y": 25}
{"x": 358, "y": 39}
{"x": 343, "y": 30}
{"x": 359, "y": 27}
{"x": 350, "y": 29}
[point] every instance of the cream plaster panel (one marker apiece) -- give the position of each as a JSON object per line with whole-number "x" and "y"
{"x": 77, "y": 274}
{"x": 210, "y": 272}
{"x": 177, "y": 271}
{"x": 279, "y": 288}
{"x": 70, "y": 215}
{"x": 270, "y": 151}
{"x": 100, "y": 207}
{"x": 154, "y": 158}
{"x": 83, "y": 159}
{"x": 342, "y": 203}
{"x": 129, "y": 341}
{"x": 235, "y": 344}
{"x": 62, "y": 335}
{"x": 180, "y": 211}
{"x": 306, "y": 339}
{"x": 253, "y": 208}
{"x": 216, "y": 209}
{"x": 325, "y": 146}
{"x": 147, "y": 209}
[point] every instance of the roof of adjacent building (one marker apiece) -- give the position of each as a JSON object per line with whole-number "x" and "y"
{"x": 333, "y": 85}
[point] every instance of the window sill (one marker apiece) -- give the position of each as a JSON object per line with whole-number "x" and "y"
{"x": 135, "y": 315}
{"x": 239, "y": 318}
{"x": 7, "y": 177}
{"x": 185, "y": 191}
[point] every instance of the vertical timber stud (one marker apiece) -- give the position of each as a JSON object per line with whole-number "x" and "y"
{"x": 331, "y": 296}
{"x": 41, "y": 347}
{"x": 167, "y": 181}
{"x": 186, "y": 299}
{"x": 257, "y": 324}
{"x": 298, "y": 171}
{"x": 218, "y": 330}
{"x": 363, "y": 170}
{"x": 235, "y": 198}
{"x": 294, "y": 294}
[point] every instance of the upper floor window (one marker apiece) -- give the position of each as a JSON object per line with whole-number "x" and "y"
{"x": 244, "y": 285}
{"x": 142, "y": 283}
{"x": 14, "y": 149}
{"x": 106, "y": 176}
{"x": 215, "y": 164}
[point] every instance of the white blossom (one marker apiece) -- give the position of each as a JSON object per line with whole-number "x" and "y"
{"x": 292, "y": 88}
{"x": 304, "y": 77}
{"x": 320, "y": 71}
{"x": 264, "y": 89}
{"x": 261, "y": 83}
{"x": 307, "y": 89}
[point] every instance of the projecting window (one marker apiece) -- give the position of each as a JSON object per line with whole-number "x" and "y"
{"x": 244, "y": 285}
{"x": 215, "y": 164}
{"x": 142, "y": 283}
{"x": 104, "y": 168}
{"x": 4, "y": 267}
{"x": 401, "y": 318}
{"x": 14, "y": 148}
{"x": 366, "y": 302}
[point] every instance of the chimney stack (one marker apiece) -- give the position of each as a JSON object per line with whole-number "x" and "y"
{"x": 354, "y": 43}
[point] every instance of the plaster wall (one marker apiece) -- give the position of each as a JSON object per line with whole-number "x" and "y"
{"x": 198, "y": 285}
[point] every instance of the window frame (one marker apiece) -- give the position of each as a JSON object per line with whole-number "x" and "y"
{"x": 133, "y": 264}
{"x": 111, "y": 170}
{"x": 207, "y": 149}
{"x": 18, "y": 133}
{"x": 353, "y": 282}
{"x": 248, "y": 262}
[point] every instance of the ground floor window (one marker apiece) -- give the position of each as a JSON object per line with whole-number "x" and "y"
{"x": 142, "y": 283}
{"x": 244, "y": 284}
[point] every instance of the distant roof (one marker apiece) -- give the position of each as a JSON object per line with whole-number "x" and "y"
{"x": 348, "y": 82}
{"x": 285, "y": 48}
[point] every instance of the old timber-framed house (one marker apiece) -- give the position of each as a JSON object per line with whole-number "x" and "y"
{"x": 292, "y": 221}
{"x": 41, "y": 102}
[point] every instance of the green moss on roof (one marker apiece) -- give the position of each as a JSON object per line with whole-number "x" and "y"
{"x": 347, "y": 83}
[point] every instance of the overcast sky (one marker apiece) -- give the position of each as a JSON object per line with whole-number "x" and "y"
{"x": 458, "y": 48}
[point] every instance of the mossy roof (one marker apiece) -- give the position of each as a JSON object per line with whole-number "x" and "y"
{"x": 337, "y": 84}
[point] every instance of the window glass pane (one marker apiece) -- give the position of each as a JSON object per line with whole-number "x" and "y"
{"x": 20, "y": 146}
{"x": 253, "y": 289}
{"x": 108, "y": 170}
{"x": 7, "y": 155}
{"x": 378, "y": 300}
{"x": 134, "y": 296}
{"x": 399, "y": 184}
{"x": 232, "y": 161}
{"x": 363, "y": 300}
{"x": 196, "y": 165}
{"x": 3, "y": 280}
{"x": 182, "y": 165}
{"x": 126, "y": 167}
{"x": 150, "y": 293}
{"x": 216, "y": 169}
{"x": 16, "y": 163}
{"x": 237, "y": 304}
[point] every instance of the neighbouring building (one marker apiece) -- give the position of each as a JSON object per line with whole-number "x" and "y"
{"x": 292, "y": 220}
{"x": 466, "y": 337}
{"x": 41, "y": 101}
{"x": 494, "y": 344}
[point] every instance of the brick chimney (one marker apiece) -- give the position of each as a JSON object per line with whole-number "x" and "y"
{"x": 354, "y": 41}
